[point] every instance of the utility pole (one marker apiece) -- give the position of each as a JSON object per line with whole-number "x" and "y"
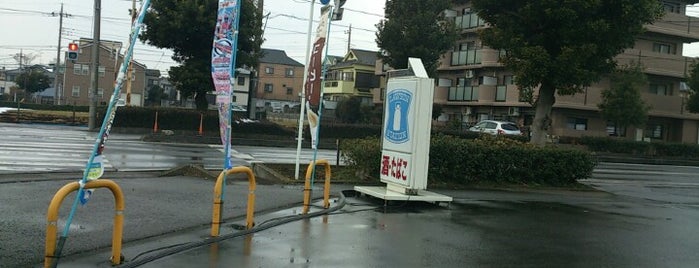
{"x": 349, "y": 38}
{"x": 94, "y": 76}
{"x": 129, "y": 73}
{"x": 56, "y": 96}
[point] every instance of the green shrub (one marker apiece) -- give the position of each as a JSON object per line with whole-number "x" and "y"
{"x": 487, "y": 159}
{"x": 676, "y": 149}
{"x": 624, "y": 146}
{"x": 615, "y": 145}
{"x": 50, "y": 107}
{"x": 345, "y": 131}
{"x": 363, "y": 156}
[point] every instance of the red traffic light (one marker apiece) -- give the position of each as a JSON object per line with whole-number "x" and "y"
{"x": 73, "y": 47}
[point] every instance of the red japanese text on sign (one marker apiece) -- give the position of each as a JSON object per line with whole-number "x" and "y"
{"x": 394, "y": 167}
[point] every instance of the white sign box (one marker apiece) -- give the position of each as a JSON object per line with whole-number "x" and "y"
{"x": 406, "y": 129}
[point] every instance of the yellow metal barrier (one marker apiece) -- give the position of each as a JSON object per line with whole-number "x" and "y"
{"x": 218, "y": 201}
{"x": 307, "y": 187}
{"x": 52, "y": 217}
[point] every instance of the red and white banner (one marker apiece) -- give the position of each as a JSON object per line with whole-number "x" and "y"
{"x": 312, "y": 88}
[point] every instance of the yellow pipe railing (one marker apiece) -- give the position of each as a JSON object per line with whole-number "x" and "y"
{"x": 52, "y": 218}
{"x": 307, "y": 186}
{"x": 216, "y": 218}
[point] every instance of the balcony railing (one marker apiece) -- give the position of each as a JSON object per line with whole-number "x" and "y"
{"x": 466, "y": 57}
{"x": 468, "y": 21}
{"x": 463, "y": 94}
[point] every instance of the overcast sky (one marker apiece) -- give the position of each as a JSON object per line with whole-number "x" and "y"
{"x": 28, "y": 25}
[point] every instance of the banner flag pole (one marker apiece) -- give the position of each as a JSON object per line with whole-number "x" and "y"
{"x": 94, "y": 168}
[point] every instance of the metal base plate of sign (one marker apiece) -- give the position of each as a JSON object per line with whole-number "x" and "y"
{"x": 383, "y": 193}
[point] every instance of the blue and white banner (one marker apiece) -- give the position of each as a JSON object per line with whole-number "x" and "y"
{"x": 95, "y": 168}
{"x": 223, "y": 67}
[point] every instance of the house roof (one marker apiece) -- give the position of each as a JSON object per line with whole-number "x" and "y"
{"x": 110, "y": 46}
{"x": 366, "y": 57}
{"x": 358, "y": 56}
{"x": 275, "y": 56}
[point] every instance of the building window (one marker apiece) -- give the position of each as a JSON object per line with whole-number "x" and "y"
{"x": 508, "y": 80}
{"x": 461, "y": 93}
{"x": 289, "y": 91}
{"x": 654, "y": 131}
{"x": 100, "y": 92}
{"x": 269, "y": 70}
{"x": 661, "y": 89}
{"x": 347, "y": 76}
{"x": 85, "y": 69}
{"x": 664, "y": 48}
{"x": 671, "y": 6}
{"x": 576, "y": 123}
{"x": 289, "y": 72}
{"x": 241, "y": 81}
{"x": 77, "y": 69}
{"x": 101, "y": 71}
{"x": 75, "y": 93}
{"x": 500, "y": 93}
{"x": 268, "y": 87}
{"x": 614, "y": 130}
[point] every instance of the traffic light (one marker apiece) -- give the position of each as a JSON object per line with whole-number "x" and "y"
{"x": 73, "y": 51}
{"x": 337, "y": 12}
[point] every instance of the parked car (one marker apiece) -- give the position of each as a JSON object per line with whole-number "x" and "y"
{"x": 496, "y": 127}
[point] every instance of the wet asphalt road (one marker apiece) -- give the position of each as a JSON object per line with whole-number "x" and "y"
{"x": 28, "y": 148}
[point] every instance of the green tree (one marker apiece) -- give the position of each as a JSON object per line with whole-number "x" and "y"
{"x": 622, "y": 103}
{"x": 348, "y": 110}
{"x": 561, "y": 46}
{"x": 32, "y": 81}
{"x": 155, "y": 95}
{"x": 692, "y": 104}
{"x": 187, "y": 27}
{"x": 415, "y": 28}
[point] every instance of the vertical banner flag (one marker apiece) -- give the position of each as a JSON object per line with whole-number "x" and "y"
{"x": 95, "y": 166}
{"x": 312, "y": 87}
{"x": 222, "y": 66}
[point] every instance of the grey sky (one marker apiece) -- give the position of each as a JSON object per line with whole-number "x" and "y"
{"x": 28, "y": 25}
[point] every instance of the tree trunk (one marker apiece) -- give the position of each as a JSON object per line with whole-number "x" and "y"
{"x": 542, "y": 119}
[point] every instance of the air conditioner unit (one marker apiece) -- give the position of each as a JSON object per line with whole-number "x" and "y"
{"x": 513, "y": 111}
{"x": 468, "y": 111}
{"x": 469, "y": 73}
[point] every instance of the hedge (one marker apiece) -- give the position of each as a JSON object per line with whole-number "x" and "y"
{"x": 51, "y": 107}
{"x": 641, "y": 148}
{"x": 487, "y": 159}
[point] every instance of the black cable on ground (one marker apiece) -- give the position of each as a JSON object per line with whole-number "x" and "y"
{"x": 283, "y": 220}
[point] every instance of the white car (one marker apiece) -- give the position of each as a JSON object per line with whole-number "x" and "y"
{"x": 496, "y": 128}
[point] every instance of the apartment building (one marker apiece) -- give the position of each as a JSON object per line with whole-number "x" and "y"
{"x": 280, "y": 79}
{"x": 473, "y": 85}
{"x": 77, "y": 85}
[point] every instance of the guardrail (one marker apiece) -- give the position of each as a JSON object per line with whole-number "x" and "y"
{"x": 307, "y": 186}
{"x": 50, "y": 259}
{"x": 216, "y": 218}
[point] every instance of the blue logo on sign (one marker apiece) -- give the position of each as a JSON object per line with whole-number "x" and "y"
{"x": 397, "y": 121}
